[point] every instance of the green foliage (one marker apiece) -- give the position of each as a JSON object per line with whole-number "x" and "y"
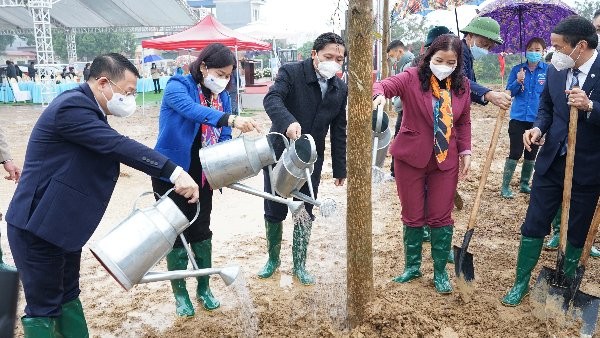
{"x": 487, "y": 69}
{"x": 89, "y": 45}
{"x": 305, "y": 49}
{"x": 410, "y": 30}
{"x": 587, "y": 8}
{"x": 5, "y": 41}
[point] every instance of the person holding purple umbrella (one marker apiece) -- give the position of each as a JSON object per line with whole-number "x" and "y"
{"x": 525, "y": 83}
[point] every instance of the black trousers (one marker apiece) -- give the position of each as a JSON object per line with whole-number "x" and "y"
{"x": 156, "y": 85}
{"x": 50, "y": 275}
{"x": 200, "y": 229}
{"x": 277, "y": 212}
{"x": 516, "y": 129}
{"x": 546, "y": 198}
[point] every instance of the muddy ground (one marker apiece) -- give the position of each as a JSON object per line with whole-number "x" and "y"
{"x": 280, "y": 307}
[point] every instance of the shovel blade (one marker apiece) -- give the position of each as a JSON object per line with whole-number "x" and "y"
{"x": 583, "y": 307}
{"x": 463, "y": 264}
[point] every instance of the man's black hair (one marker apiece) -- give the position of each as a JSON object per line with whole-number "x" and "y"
{"x": 548, "y": 57}
{"x": 575, "y": 28}
{"x": 327, "y": 38}
{"x": 113, "y": 66}
{"x": 596, "y": 14}
{"x": 393, "y": 45}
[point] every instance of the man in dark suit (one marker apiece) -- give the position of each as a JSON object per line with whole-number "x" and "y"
{"x": 70, "y": 171}
{"x": 576, "y": 65}
{"x": 307, "y": 97}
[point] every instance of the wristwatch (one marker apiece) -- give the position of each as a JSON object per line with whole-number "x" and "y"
{"x": 10, "y": 159}
{"x": 590, "y": 106}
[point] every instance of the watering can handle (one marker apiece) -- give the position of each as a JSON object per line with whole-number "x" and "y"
{"x": 379, "y": 118}
{"x": 142, "y": 195}
{"x": 164, "y": 196}
{"x": 285, "y": 139}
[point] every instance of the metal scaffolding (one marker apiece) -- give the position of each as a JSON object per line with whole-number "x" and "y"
{"x": 40, "y": 12}
{"x": 71, "y": 46}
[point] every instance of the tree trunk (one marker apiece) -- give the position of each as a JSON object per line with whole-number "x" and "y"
{"x": 359, "y": 245}
{"x": 385, "y": 41}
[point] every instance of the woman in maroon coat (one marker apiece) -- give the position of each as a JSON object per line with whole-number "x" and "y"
{"x": 431, "y": 151}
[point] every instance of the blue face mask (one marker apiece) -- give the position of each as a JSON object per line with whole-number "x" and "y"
{"x": 478, "y": 52}
{"x": 533, "y": 57}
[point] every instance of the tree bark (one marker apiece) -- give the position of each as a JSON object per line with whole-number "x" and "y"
{"x": 359, "y": 234}
{"x": 385, "y": 41}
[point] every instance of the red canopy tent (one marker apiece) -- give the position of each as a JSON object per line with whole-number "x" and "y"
{"x": 205, "y": 32}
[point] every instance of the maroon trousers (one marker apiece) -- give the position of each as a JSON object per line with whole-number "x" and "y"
{"x": 426, "y": 194}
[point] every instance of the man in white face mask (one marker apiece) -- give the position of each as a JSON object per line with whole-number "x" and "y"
{"x": 306, "y": 98}
{"x": 571, "y": 82}
{"x": 70, "y": 171}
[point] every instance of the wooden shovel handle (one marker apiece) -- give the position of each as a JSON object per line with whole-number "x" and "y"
{"x": 486, "y": 168}
{"x": 568, "y": 182}
{"x": 591, "y": 236}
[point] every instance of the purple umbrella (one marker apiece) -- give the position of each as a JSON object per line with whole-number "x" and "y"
{"x": 521, "y": 20}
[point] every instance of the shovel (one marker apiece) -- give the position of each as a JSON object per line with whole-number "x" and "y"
{"x": 580, "y": 305}
{"x": 556, "y": 277}
{"x": 463, "y": 263}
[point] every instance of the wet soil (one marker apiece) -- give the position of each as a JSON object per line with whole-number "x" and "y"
{"x": 280, "y": 306}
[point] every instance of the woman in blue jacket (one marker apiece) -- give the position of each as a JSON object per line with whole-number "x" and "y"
{"x": 195, "y": 113}
{"x": 525, "y": 83}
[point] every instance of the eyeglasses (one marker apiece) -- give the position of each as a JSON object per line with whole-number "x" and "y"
{"x": 124, "y": 92}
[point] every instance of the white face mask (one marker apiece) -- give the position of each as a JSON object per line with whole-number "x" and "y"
{"x": 441, "y": 71}
{"x": 328, "y": 69}
{"x": 563, "y": 61}
{"x": 215, "y": 84}
{"x": 120, "y": 105}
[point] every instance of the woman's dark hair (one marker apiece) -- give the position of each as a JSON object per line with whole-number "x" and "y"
{"x": 536, "y": 40}
{"x": 445, "y": 42}
{"x": 214, "y": 55}
{"x": 575, "y": 28}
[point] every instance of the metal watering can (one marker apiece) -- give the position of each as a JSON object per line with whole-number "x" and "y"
{"x": 382, "y": 137}
{"x": 294, "y": 169}
{"x": 226, "y": 163}
{"x": 141, "y": 240}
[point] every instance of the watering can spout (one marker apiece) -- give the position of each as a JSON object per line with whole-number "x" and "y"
{"x": 229, "y": 274}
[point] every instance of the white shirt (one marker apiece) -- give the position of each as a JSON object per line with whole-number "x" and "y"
{"x": 584, "y": 68}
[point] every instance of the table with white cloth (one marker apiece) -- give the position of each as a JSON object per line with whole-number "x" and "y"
{"x": 145, "y": 84}
{"x": 6, "y": 93}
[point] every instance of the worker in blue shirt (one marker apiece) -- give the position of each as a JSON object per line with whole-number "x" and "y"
{"x": 525, "y": 83}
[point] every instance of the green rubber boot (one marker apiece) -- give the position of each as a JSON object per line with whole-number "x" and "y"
{"x": 177, "y": 259}
{"x": 441, "y": 245}
{"x": 71, "y": 323}
{"x": 572, "y": 255}
{"x": 299, "y": 246}
{"x": 203, "y": 254}
{"x": 553, "y": 242}
{"x": 5, "y": 267}
{"x": 413, "y": 245}
{"x": 526, "y": 173}
{"x": 426, "y": 234}
{"x": 529, "y": 253}
{"x": 274, "y": 231}
{"x": 509, "y": 170}
{"x": 40, "y": 327}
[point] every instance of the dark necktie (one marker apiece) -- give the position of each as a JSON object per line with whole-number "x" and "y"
{"x": 574, "y": 83}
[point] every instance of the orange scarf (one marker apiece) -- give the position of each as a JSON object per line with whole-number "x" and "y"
{"x": 442, "y": 118}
